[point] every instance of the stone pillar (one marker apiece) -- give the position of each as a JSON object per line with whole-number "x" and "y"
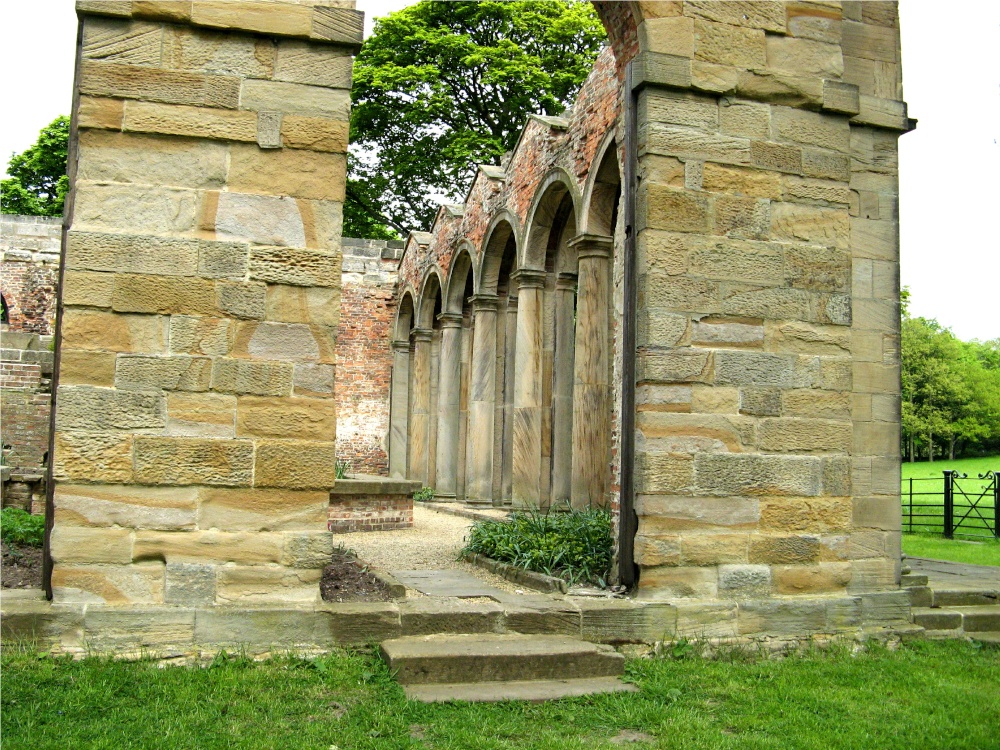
{"x": 527, "y": 423}
{"x": 592, "y": 373}
{"x": 449, "y": 398}
{"x": 505, "y": 407}
{"x": 419, "y": 421}
{"x": 399, "y": 407}
{"x": 482, "y": 401}
{"x": 562, "y": 388}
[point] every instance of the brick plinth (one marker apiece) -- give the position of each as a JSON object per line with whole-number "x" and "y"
{"x": 371, "y": 513}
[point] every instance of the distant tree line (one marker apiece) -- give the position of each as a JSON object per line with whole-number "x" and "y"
{"x": 951, "y": 392}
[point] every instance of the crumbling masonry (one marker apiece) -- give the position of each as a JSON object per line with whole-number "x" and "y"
{"x": 722, "y": 195}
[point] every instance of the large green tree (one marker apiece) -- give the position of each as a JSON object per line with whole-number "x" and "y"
{"x": 37, "y": 181}
{"x": 442, "y": 86}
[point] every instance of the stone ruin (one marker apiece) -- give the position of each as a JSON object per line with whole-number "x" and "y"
{"x": 679, "y": 300}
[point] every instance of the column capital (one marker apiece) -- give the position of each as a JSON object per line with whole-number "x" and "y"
{"x": 450, "y": 320}
{"x": 484, "y": 302}
{"x": 592, "y": 245}
{"x": 528, "y": 278}
{"x": 421, "y": 334}
{"x": 400, "y": 346}
{"x": 566, "y": 281}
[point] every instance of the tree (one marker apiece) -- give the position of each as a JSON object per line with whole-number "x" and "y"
{"x": 38, "y": 183}
{"x": 440, "y": 87}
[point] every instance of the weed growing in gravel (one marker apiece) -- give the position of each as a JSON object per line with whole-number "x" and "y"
{"x": 20, "y": 527}
{"x": 575, "y": 545}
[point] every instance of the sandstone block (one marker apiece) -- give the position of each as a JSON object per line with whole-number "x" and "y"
{"x": 784, "y": 549}
{"x": 155, "y": 84}
{"x": 222, "y": 260}
{"x": 818, "y": 192}
{"x": 804, "y": 57}
{"x": 248, "y": 584}
{"x": 315, "y": 133}
{"x": 296, "y": 266}
{"x": 753, "y": 368}
{"x": 736, "y": 216}
{"x": 721, "y": 332}
{"x": 207, "y": 546}
{"x": 680, "y": 365}
{"x": 107, "y": 156}
{"x": 670, "y": 35}
{"x": 651, "y": 551}
{"x": 201, "y": 415}
{"x": 87, "y": 289}
{"x": 679, "y": 293}
{"x": 136, "y": 42}
{"x": 879, "y": 575}
{"x": 659, "y": 69}
{"x": 307, "y": 549}
{"x": 878, "y": 240}
{"x": 246, "y": 56}
{"x": 104, "y": 331}
{"x": 296, "y": 304}
{"x": 713, "y": 549}
{"x": 713, "y": 78}
{"x": 139, "y": 293}
{"x": 285, "y": 342}
{"x": 73, "y": 544}
{"x": 241, "y": 300}
{"x": 707, "y": 399}
{"x": 737, "y": 260}
{"x": 811, "y": 128}
{"x": 802, "y": 338}
{"x": 172, "y": 373}
{"x": 671, "y": 514}
{"x": 805, "y": 435}
{"x": 780, "y": 88}
{"x": 874, "y": 377}
{"x": 823, "y": 578}
{"x": 294, "y": 418}
{"x": 666, "y": 582}
{"x": 100, "y": 409}
{"x": 298, "y": 173}
{"x": 841, "y": 97}
{"x": 231, "y": 375}
{"x": 793, "y": 222}
{"x": 316, "y": 64}
{"x": 815, "y": 403}
{"x": 744, "y": 581}
{"x": 92, "y": 457}
{"x": 126, "y": 253}
{"x": 707, "y": 620}
{"x": 783, "y": 617}
{"x": 126, "y": 506}
{"x": 660, "y": 327}
{"x": 262, "y": 510}
{"x": 664, "y": 473}
{"x": 668, "y": 140}
{"x": 718, "y": 178}
{"x": 760, "y": 402}
{"x": 98, "y": 112}
{"x": 827, "y": 165}
{"x": 261, "y": 17}
{"x": 313, "y": 380}
{"x": 263, "y": 219}
{"x": 664, "y": 106}
{"x": 882, "y": 513}
{"x": 135, "y": 208}
{"x": 160, "y": 10}
{"x": 114, "y": 584}
{"x": 744, "y": 119}
{"x": 295, "y": 464}
{"x": 810, "y": 22}
{"x": 190, "y": 584}
{"x": 751, "y": 15}
{"x": 190, "y": 335}
{"x": 869, "y": 41}
{"x": 729, "y": 45}
{"x": 179, "y": 460}
{"x": 193, "y": 122}
{"x": 733, "y": 474}
{"x": 670, "y": 398}
{"x": 295, "y": 99}
{"x": 776, "y": 156}
{"x": 77, "y": 367}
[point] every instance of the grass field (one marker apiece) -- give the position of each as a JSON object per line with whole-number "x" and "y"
{"x": 926, "y": 483}
{"x": 971, "y": 466}
{"x": 928, "y": 695}
{"x": 955, "y": 550}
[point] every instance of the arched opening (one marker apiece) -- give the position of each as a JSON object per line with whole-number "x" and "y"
{"x": 426, "y": 339}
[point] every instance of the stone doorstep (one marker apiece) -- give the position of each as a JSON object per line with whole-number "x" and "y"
{"x": 529, "y": 690}
{"x": 959, "y": 620}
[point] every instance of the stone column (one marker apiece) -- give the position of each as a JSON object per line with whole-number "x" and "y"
{"x": 419, "y": 421}
{"x": 562, "y": 387}
{"x": 399, "y": 408}
{"x": 527, "y": 444}
{"x": 592, "y": 373}
{"x": 505, "y": 407}
{"x": 482, "y": 401}
{"x": 449, "y": 395}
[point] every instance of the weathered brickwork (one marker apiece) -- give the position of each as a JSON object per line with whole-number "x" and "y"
{"x": 364, "y": 359}
{"x": 196, "y": 422}
{"x": 371, "y": 513}
{"x": 29, "y": 270}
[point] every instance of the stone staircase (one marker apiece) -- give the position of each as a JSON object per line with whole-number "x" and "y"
{"x": 965, "y": 612}
{"x": 493, "y": 667}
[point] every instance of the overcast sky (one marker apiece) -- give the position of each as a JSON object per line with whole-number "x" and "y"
{"x": 949, "y": 170}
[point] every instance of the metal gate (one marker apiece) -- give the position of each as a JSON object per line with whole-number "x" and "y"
{"x": 971, "y": 508}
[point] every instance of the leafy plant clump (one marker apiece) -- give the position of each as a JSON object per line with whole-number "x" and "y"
{"x": 20, "y": 527}
{"x": 575, "y": 546}
{"x": 341, "y": 468}
{"x": 424, "y": 494}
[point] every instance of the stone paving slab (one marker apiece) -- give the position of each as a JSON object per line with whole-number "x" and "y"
{"x": 455, "y": 583}
{"x": 942, "y": 574}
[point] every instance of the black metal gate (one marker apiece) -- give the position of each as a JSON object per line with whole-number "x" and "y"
{"x": 953, "y": 505}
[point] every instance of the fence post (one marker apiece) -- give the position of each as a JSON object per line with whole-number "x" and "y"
{"x": 949, "y": 505}
{"x": 996, "y": 504}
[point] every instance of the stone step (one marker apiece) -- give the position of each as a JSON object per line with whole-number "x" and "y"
{"x": 912, "y": 579}
{"x": 937, "y": 619}
{"x": 975, "y": 619}
{"x": 987, "y": 639}
{"x": 525, "y": 690}
{"x": 980, "y": 619}
{"x": 489, "y": 657}
{"x": 963, "y": 597}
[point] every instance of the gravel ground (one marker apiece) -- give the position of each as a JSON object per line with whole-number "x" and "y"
{"x": 432, "y": 544}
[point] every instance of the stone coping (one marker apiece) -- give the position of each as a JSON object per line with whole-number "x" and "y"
{"x": 367, "y": 484}
{"x": 514, "y": 574}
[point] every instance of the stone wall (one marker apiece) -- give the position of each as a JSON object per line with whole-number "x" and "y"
{"x": 364, "y": 359}
{"x": 196, "y": 420}
{"x": 29, "y": 270}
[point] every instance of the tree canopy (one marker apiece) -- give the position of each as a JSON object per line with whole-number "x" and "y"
{"x": 38, "y": 183}
{"x": 442, "y": 86}
{"x": 951, "y": 391}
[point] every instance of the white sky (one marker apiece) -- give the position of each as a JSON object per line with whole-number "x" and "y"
{"x": 949, "y": 167}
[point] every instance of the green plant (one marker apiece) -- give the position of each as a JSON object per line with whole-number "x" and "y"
{"x": 424, "y": 494}
{"x": 575, "y": 545}
{"x": 341, "y": 468}
{"x": 20, "y": 527}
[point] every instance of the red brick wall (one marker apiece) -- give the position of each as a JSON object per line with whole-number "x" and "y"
{"x": 364, "y": 359}
{"x": 370, "y": 513}
{"x": 29, "y": 271}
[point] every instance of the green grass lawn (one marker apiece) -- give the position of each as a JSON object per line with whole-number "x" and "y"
{"x": 926, "y": 695}
{"x": 939, "y": 548}
{"x": 971, "y": 466}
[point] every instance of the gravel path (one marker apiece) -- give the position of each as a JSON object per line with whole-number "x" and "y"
{"x": 432, "y": 544}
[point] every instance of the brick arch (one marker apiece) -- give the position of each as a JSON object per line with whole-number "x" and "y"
{"x": 621, "y": 21}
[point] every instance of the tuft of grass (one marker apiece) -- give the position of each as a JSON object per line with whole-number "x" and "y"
{"x": 936, "y": 547}
{"x": 575, "y": 545}
{"x": 19, "y": 527}
{"x": 340, "y": 469}
{"x": 930, "y": 695}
